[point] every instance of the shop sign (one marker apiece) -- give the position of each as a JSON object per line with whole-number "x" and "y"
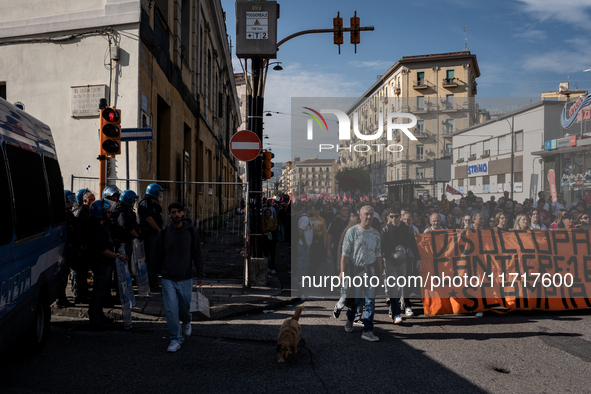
{"x": 562, "y": 142}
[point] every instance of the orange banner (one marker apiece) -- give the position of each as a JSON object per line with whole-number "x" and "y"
{"x": 494, "y": 269}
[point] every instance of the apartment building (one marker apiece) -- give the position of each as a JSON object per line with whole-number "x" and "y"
{"x": 439, "y": 89}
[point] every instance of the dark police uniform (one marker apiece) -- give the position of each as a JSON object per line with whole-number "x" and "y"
{"x": 148, "y": 208}
{"x": 99, "y": 239}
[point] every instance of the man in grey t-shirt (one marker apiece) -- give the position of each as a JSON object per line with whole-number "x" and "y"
{"x": 362, "y": 255}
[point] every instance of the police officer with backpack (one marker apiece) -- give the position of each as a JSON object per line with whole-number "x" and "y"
{"x": 102, "y": 253}
{"x": 150, "y": 212}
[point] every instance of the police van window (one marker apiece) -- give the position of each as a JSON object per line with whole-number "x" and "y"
{"x": 6, "y": 224}
{"x": 56, "y": 191}
{"x": 30, "y": 191}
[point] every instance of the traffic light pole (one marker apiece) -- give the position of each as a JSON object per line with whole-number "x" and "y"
{"x": 254, "y": 167}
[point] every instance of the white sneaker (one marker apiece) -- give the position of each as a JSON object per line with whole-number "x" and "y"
{"x": 408, "y": 312}
{"x": 173, "y": 347}
{"x": 348, "y": 326}
{"x": 368, "y": 336}
{"x": 397, "y": 319}
{"x": 187, "y": 329}
{"x": 479, "y": 314}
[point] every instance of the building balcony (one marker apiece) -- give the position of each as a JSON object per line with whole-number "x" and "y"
{"x": 448, "y": 152}
{"x": 450, "y": 82}
{"x": 397, "y": 90}
{"x": 420, "y": 134}
{"x": 421, "y": 110}
{"x": 448, "y": 131}
{"x": 421, "y": 84}
{"x": 419, "y": 157}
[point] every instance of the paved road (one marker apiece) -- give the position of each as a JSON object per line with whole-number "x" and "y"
{"x": 543, "y": 353}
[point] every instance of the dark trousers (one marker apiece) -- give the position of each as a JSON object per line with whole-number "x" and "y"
{"x": 79, "y": 276}
{"x": 269, "y": 249}
{"x": 149, "y": 243}
{"x": 102, "y": 273}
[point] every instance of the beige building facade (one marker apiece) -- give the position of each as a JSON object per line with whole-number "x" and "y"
{"x": 166, "y": 64}
{"x": 439, "y": 89}
{"x": 313, "y": 176}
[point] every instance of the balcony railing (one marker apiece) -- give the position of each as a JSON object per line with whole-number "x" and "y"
{"x": 420, "y": 84}
{"x": 448, "y": 130}
{"x": 420, "y": 134}
{"x": 420, "y": 157}
{"x": 450, "y": 82}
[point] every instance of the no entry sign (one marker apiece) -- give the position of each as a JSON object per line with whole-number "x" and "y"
{"x": 245, "y": 145}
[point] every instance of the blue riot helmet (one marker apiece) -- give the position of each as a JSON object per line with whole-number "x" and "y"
{"x": 128, "y": 197}
{"x": 71, "y": 201}
{"x": 80, "y": 195}
{"x": 111, "y": 193}
{"x": 153, "y": 190}
{"x": 99, "y": 208}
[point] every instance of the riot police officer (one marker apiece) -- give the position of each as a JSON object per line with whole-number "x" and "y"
{"x": 79, "y": 267}
{"x": 112, "y": 193}
{"x": 102, "y": 253}
{"x": 71, "y": 248}
{"x": 129, "y": 229}
{"x": 151, "y": 222}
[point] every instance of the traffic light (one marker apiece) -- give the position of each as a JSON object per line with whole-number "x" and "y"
{"x": 267, "y": 165}
{"x": 110, "y": 131}
{"x": 337, "y": 24}
{"x": 355, "y": 34}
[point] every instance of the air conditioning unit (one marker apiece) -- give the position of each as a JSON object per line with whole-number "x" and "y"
{"x": 443, "y": 122}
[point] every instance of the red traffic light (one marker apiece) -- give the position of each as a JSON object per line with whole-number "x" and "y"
{"x": 110, "y": 131}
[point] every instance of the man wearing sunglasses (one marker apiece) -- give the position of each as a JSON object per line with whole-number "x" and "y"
{"x": 396, "y": 238}
{"x": 584, "y": 222}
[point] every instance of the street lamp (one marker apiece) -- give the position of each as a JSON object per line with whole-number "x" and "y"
{"x": 512, "y": 124}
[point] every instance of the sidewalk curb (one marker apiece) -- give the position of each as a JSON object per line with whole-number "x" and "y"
{"x": 221, "y": 312}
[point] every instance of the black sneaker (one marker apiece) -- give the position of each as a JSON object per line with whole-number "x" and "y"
{"x": 336, "y": 312}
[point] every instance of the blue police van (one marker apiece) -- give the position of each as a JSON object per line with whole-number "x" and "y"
{"x": 32, "y": 228}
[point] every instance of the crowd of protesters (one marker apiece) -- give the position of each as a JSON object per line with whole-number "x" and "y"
{"x": 340, "y": 237}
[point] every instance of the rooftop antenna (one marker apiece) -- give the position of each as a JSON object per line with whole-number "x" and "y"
{"x": 465, "y": 40}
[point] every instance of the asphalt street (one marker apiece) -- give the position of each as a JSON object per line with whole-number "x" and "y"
{"x": 520, "y": 352}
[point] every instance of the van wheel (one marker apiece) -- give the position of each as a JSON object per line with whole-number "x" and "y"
{"x": 39, "y": 329}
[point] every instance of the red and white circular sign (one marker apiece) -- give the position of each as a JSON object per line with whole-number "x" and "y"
{"x": 245, "y": 145}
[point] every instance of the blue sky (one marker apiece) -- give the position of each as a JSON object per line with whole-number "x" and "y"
{"x": 524, "y": 47}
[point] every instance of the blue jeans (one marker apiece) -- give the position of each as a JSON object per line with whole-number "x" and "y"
{"x": 282, "y": 232}
{"x": 362, "y": 296}
{"x": 303, "y": 262}
{"x": 177, "y": 302}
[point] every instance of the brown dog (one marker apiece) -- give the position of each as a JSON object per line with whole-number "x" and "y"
{"x": 289, "y": 336}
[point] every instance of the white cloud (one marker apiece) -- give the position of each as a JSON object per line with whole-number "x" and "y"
{"x": 572, "y": 12}
{"x": 298, "y": 81}
{"x": 376, "y": 64}
{"x": 532, "y": 35}
{"x": 561, "y": 61}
